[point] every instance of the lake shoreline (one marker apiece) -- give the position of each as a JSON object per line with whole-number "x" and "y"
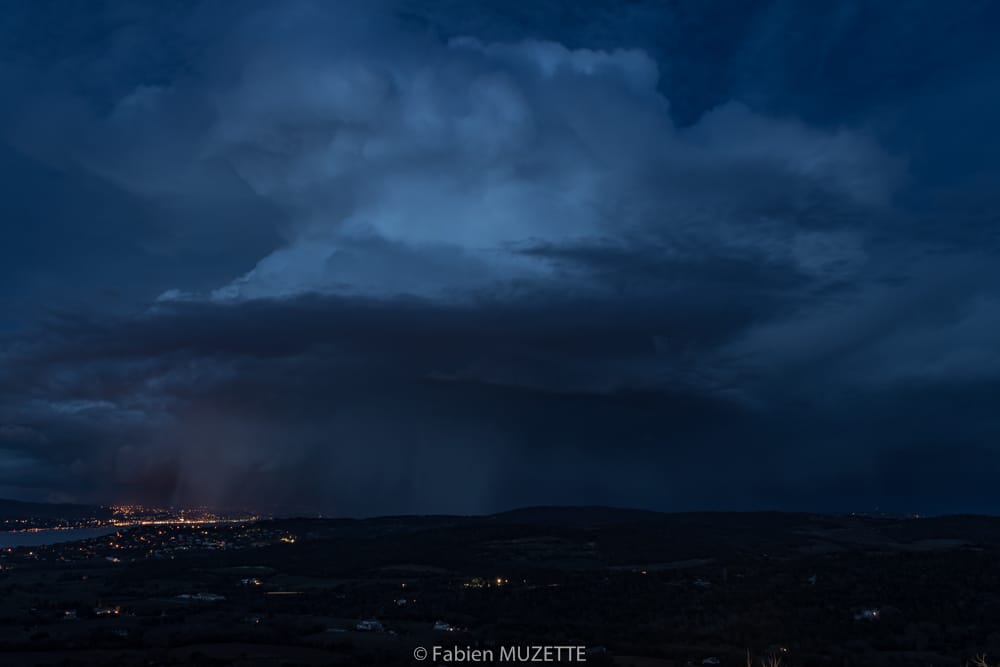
{"x": 37, "y": 537}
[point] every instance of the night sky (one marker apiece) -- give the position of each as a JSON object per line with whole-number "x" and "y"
{"x": 412, "y": 257}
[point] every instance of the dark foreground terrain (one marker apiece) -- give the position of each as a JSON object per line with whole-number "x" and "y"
{"x": 634, "y": 588}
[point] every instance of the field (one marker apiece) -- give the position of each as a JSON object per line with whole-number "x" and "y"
{"x": 634, "y": 588}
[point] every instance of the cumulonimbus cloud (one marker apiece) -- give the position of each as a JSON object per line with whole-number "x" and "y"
{"x": 499, "y": 254}
{"x": 417, "y": 166}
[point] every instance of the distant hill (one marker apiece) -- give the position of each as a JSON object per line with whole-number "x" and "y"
{"x": 16, "y": 509}
{"x": 591, "y": 516}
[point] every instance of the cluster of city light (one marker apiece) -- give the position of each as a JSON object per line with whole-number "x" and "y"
{"x": 138, "y": 515}
{"x": 479, "y": 582}
{"x": 159, "y": 539}
{"x": 127, "y": 516}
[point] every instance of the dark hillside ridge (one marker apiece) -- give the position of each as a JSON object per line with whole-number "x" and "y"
{"x": 16, "y": 509}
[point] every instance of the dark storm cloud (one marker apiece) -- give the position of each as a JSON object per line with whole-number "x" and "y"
{"x": 371, "y": 393}
{"x": 409, "y": 257}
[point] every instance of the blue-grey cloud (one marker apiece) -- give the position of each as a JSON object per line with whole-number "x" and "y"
{"x": 411, "y": 256}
